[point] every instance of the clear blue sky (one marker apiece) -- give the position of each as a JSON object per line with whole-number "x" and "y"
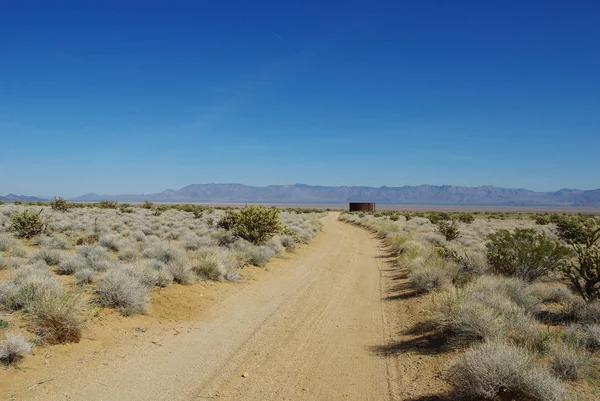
{"x": 127, "y": 97}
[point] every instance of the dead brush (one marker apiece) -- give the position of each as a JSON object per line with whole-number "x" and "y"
{"x": 56, "y": 319}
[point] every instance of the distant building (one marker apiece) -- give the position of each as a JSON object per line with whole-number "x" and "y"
{"x": 362, "y": 206}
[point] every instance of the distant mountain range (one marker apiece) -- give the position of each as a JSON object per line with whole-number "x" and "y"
{"x": 406, "y": 195}
{"x": 22, "y": 198}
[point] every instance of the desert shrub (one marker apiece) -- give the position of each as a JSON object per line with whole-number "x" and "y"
{"x": 288, "y": 242}
{"x": 164, "y": 252}
{"x": 28, "y": 224}
{"x": 35, "y": 287}
{"x": 51, "y": 257}
{"x": 181, "y": 273}
{"x": 191, "y": 242}
{"x": 70, "y": 264}
{"x": 8, "y": 295}
{"x": 18, "y": 202}
{"x": 466, "y": 218}
{"x": 493, "y": 369}
{"x": 17, "y": 251}
{"x": 128, "y": 254}
{"x": 121, "y": 291}
{"x": 56, "y": 319}
{"x": 147, "y": 205}
{"x": 164, "y": 277}
{"x": 57, "y": 242}
{"x": 85, "y": 275}
{"x": 435, "y": 238}
{"x": 110, "y": 242}
{"x": 552, "y": 293}
{"x": 584, "y": 270}
{"x": 570, "y": 363}
{"x": 13, "y": 347}
{"x": 96, "y": 257}
{"x": 449, "y": 229}
{"x": 573, "y": 230}
{"x": 434, "y": 273}
{"x": 207, "y": 264}
{"x": 254, "y": 223}
{"x": 6, "y": 242}
{"x": 516, "y": 290}
{"x": 466, "y": 321}
{"x": 524, "y": 254}
{"x": 59, "y": 204}
{"x": 88, "y": 240}
{"x": 261, "y": 255}
{"x": 275, "y": 245}
{"x": 489, "y": 308}
{"x": 105, "y": 204}
{"x": 587, "y": 313}
{"x": 141, "y": 272}
{"x": 396, "y": 242}
{"x": 542, "y": 219}
{"x": 587, "y": 335}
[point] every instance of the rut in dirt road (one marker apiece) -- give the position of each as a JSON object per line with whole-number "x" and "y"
{"x": 304, "y": 333}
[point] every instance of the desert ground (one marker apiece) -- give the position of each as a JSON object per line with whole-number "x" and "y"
{"x": 360, "y": 309}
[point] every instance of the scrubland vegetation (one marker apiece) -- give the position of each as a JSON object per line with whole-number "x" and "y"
{"x": 62, "y": 262}
{"x": 516, "y": 294}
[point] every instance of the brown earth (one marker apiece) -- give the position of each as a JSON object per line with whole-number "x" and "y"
{"x": 335, "y": 320}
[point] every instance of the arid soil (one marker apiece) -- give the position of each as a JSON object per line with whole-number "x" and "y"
{"x": 335, "y": 320}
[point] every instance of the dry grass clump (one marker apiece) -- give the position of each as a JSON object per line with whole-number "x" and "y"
{"x": 53, "y": 242}
{"x": 207, "y": 264}
{"x": 55, "y": 314}
{"x": 568, "y": 362}
{"x": 288, "y": 242}
{"x": 17, "y": 251}
{"x": 548, "y": 293}
{"x": 261, "y": 255}
{"x": 51, "y": 257}
{"x": 85, "y": 276}
{"x": 434, "y": 273}
{"x": 13, "y": 347}
{"x": 6, "y": 242}
{"x": 96, "y": 257}
{"x": 128, "y": 255}
{"x": 163, "y": 252}
{"x": 488, "y": 309}
{"x": 56, "y": 319}
{"x": 120, "y": 290}
{"x": 71, "y": 264}
{"x": 495, "y": 370}
{"x": 584, "y": 335}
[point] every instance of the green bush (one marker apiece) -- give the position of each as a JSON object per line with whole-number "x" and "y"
{"x": 573, "y": 230}
{"x": 254, "y": 223}
{"x": 126, "y": 208}
{"x": 584, "y": 271}
{"x": 105, "y": 204}
{"x": 466, "y": 218}
{"x": 18, "y": 202}
{"x": 59, "y": 204}
{"x": 524, "y": 254}
{"x": 542, "y": 219}
{"x": 28, "y": 223}
{"x": 147, "y": 205}
{"x": 449, "y": 229}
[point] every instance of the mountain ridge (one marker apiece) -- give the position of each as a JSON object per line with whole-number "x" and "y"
{"x": 486, "y": 195}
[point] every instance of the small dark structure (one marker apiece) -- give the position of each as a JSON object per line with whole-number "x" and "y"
{"x": 362, "y": 206}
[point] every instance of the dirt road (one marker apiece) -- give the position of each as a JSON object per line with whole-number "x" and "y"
{"x": 304, "y": 332}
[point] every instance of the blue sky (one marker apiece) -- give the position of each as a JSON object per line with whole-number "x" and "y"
{"x": 128, "y": 97}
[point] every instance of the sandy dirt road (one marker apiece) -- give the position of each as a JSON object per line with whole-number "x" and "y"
{"x": 306, "y": 332}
